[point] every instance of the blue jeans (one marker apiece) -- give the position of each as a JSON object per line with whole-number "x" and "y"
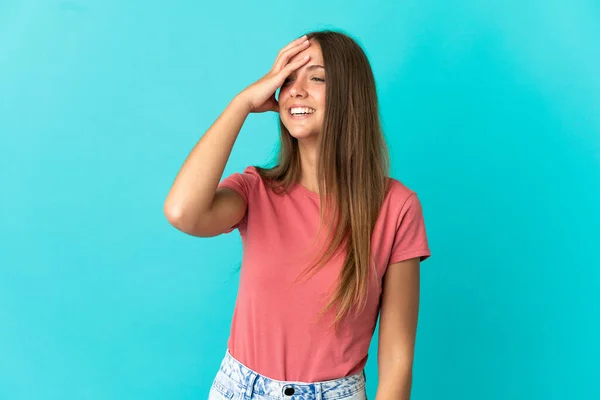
{"x": 235, "y": 381}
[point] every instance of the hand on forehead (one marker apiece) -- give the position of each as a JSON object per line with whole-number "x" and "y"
{"x": 314, "y": 51}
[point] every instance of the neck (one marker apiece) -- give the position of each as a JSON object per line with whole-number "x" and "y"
{"x": 308, "y": 163}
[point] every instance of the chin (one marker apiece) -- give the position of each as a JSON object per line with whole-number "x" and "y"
{"x": 301, "y": 134}
{"x": 300, "y": 131}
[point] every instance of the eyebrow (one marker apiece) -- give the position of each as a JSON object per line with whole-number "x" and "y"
{"x": 314, "y": 66}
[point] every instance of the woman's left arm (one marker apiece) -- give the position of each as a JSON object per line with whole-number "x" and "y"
{"x": 397, "y": 329}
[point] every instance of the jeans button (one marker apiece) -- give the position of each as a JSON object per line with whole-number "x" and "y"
{"x": 289, "y": 391}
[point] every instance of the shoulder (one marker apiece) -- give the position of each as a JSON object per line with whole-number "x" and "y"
{"x": 255, "y": 178}
{"x": 251, "y": 171}
{"x": 401, "y": 204}
{"x": 398, "y": 194}
{"x": 243, "y": 182}
{"x": 250, "y": 175}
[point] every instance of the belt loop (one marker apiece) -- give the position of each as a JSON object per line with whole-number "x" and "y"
{"x": 251, "y": 378}
{"x": 318, "y": 392}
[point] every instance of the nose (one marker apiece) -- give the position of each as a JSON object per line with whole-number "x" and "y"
{"x": 297, "y": 89}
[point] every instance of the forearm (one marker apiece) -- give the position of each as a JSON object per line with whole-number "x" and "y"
{"x": 194, "y": 188}
{"x": 394, "y": 383}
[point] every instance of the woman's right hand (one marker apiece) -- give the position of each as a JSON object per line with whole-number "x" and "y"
{"x": 260, "y": 96}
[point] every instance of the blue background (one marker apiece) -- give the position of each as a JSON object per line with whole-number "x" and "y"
{"x": 491, "y": 110}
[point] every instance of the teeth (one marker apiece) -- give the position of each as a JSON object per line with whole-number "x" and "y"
{"x": 301, "y": 110}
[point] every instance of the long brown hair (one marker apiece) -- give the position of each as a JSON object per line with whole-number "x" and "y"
{"x": 352, "y": 166}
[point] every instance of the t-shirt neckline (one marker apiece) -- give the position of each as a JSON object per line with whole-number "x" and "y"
{"x": 308, "y": 192}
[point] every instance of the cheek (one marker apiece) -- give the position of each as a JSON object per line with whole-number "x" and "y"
{"x": 320, "y": 97}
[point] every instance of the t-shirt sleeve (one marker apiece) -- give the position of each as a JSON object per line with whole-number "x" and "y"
{"x": 411, "y": 237}
{"x": 243, "y": 184}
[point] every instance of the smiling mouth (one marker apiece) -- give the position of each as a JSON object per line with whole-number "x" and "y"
{"x": 301, "y": 111}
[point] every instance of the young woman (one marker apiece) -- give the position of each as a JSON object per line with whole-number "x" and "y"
{"x": 329, "y": 240}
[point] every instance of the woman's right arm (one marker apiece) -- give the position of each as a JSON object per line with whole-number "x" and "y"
{"x": 194, "y": 205}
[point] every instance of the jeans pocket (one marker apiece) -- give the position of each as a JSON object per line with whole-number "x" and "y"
{"x": 219, "y": 391}
{"x": 359, "y": 393}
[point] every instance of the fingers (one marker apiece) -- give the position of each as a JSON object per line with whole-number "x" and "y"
{"x": 285, "y": 56}
{"x": 292, "y": 44}
{"x": 294, "y": 65}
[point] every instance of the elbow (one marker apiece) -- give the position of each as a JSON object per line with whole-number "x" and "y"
{"x": 401, "y": 367}
{"x": 178, "y": 221}
{"x": 177, "y": 217}
{"x": 172, "y": 212}
{"x": 193, "y": 226}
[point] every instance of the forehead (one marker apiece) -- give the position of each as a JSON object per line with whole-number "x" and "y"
{"x": 314, "y": 51}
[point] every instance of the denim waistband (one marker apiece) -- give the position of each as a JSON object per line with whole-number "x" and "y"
{"x": 253, "y": 382}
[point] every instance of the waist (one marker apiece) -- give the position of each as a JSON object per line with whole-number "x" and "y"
{"x": 254, "y": 382}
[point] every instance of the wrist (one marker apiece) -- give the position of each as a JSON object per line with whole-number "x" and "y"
{"x": 240, "y": 103}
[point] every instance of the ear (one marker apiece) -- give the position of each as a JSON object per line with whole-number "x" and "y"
{"x": 275, "y": 104}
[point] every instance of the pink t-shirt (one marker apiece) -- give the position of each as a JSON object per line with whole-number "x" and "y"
{"x": 275, "y": 330}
